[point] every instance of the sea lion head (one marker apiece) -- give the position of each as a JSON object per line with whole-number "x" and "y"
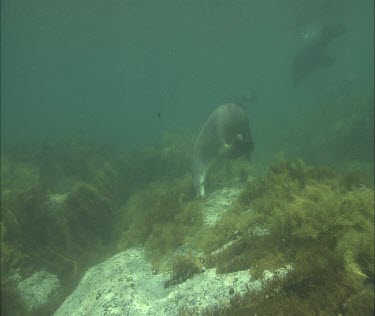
{"x": 235, "y": 131}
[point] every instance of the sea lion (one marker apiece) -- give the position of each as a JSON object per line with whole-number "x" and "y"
{"x": 312, "y": 55}
{"x": 226, "y": 133}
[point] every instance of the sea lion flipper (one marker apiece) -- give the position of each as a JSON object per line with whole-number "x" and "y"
{"x": 225, "y": 149}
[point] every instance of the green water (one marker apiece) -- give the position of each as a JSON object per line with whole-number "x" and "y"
{"x": 102, "y": 100}
{"x": 105, "y": 68}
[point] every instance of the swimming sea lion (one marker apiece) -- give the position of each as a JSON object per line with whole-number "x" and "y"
{"x": 312, "y": 54}
{"x": 226, "y": 133}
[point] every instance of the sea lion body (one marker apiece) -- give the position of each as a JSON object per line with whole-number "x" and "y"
{"x": 226, "y": 133}
{"x": 312, "y": 55}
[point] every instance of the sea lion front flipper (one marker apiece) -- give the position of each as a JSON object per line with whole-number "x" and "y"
{"x": 226, "y": 149}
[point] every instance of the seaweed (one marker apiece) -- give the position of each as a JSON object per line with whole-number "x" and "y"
{"x": 319, "y": 221}
{"x": 184, "y": 267}
{"x": 160, "y": 217}
{"x": 11, "y": 301}
{"x": 70, "y": 205}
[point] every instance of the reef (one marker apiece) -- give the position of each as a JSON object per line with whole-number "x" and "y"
{"x": 62, "y": 206}
{"x": 67, "y": 206}
{"x": 338, "y": 133}
{"x": 318, "y": 221}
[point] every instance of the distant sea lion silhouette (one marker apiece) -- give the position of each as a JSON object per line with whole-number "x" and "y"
{"x": 312, "y": 55}
{"x": 226, "y": 133}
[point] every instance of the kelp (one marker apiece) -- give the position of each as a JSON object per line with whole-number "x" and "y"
{"x": 71, "y": 205}
{"x": 317, "y": 221}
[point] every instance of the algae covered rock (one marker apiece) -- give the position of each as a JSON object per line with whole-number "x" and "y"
{"x": 319, "y": 221}
{"x": 38, "y": 289}
{"x": 126, "y": 285}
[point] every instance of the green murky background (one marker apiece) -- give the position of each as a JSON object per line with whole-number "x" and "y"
{"x": 100, "y": 105}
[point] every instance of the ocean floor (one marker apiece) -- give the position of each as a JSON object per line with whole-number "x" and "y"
{"x": 126, "y": 285}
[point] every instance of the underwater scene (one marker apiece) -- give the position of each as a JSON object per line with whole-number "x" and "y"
{"x": 185, "y": 157}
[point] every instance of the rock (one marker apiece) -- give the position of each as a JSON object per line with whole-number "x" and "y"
{"x": 218, "y": 203}
{"x": 38, "y": 289}
{"x": 148, "y": 296}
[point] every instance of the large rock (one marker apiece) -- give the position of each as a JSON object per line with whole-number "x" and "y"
{"x": 126, "y": 285}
